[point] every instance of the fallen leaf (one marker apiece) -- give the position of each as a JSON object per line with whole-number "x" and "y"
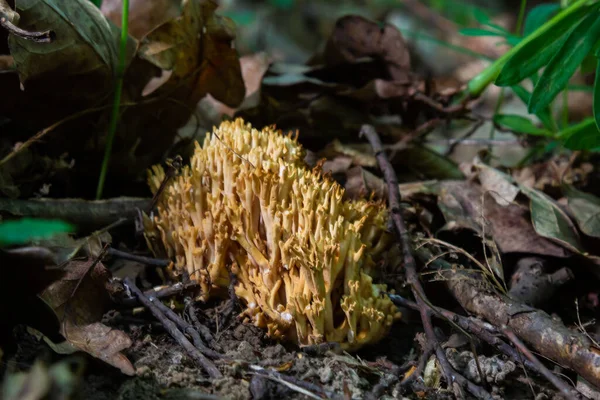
{"x": 497, "y": 184}
{"x": 359, "y": 153}
{"x": 81, "y": 309}
{"x": 550, "y": 221}
{"x": 360, "y": 183}
{"x": 144, "y": 15}
{"x": 355, "y": 37}
{"x": 510, "y": 226}
{"x": 198, "y": 48}
{"x": 585, "y": 208}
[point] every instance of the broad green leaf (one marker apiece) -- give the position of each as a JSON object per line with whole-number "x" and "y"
{"x": 480, "y": 32}
{"x": 537, "y": 16}
{"x": 97, "y": 3}
{"x": 582, "y": 136}
{"x": 550, "y": 221}
{"x": 565, "y": 62}
{"x": 86, "y": 42}
{"x": 481, "y": 16}
{"x": 538, "y": 52}
{"x": 25, "y": 230}
{"x": 585, "y": 207}
{"x": 520, "y": 124}
{"x": 588, "y": 64}
{"x": 597, "y": 96}
{"x": 545, "y": 115}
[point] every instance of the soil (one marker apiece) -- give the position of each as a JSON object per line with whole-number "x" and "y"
{"x": 164, "y": 370}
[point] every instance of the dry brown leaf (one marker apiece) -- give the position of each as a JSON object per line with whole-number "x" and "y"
{"x": 144, "y": 15}
{"x": 355, "y": 37}
{"x": 198, "y": 48}
{"x": 80, "y": 312}
{"x": 509, "y": 226}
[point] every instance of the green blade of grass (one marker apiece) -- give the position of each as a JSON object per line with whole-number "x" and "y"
{"x": 114, "y": 118}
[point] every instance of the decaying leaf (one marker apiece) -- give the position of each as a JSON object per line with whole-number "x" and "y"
{"x": 81, "y": 309}
{"x": 550, "y": 221}
{"x": 144, "y": 15}
{"x": 197, "y": 47}
{"x": 510, "y": 226}
{"x": 585, "y": 207}
{"x": 355, "y": 37}
{"x": 360, "y": 183}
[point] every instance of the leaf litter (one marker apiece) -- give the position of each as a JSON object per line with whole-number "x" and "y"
{"x": 478, "y": 228}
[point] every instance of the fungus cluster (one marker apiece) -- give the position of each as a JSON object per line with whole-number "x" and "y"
{"x": 303, "y": 256}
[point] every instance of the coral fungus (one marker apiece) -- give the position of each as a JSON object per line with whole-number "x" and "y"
{"x": 303, "y": 255}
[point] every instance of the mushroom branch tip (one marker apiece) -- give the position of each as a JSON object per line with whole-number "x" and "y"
{"x": 304, "y": 256}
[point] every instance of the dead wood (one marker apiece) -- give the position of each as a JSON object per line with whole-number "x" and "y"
{"x": 543, "y": 333}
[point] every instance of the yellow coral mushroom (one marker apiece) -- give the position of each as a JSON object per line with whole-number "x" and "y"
{"x": 303, "y": 255}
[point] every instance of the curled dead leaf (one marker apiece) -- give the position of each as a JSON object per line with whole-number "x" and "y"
{"x": 80, "y": 299}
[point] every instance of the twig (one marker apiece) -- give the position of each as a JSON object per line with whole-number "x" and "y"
{"x": 141, "y": 259}
{"x": 77, "y": 211}
{"x": 525, "y": 321}
{"x": 410, "y": 266}
{"x": 427, "y": 352}
{"x": 170, "y": 326}
{"x": 296, "y": 384}
{"x": 39, "y": 37}
{"x": 233, "y": 299}
{"x": 475, "y": 327}
{"x": 186, "y": 328}
{"x": 173, "y": 290}
{"x": 553, "y": 379}
{"x": 201, "y": 328}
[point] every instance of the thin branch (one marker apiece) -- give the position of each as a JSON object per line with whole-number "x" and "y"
{"x": 169, "y": 291}
{"x": 38, "y": 37}
{"x": 553, "y": 379}
{"x": 141, "y": 259}
{"x": 410, "y": 266}
{"x": 150, "y": 303}
{"x": 186, "y": 328}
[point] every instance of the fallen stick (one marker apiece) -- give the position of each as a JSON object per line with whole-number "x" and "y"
{"x": 150, "y": 303}
{"x": 410, "y": 267}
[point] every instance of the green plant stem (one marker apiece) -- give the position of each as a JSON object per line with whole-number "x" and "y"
{"x": 486, "y": 77}
{"x": 114, "y": 118}
{"x": 520, "y": 19}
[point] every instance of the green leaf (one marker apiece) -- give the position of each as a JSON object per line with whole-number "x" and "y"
{"x": 550, "y": 221}
{"x": 585, "y": 208}
{"x": 97, "y": 3}
{"x": 538, "y": 52}
{"x": 565, "y": 62}
{"x": 480, "y": 32}
{"x": 481, "y": 16}
{"x": 520, "y": 124}
{"x": 545, "y": 115}
{"x": 538, "y": 16}
{"x": 25, "y": 230}
{"x": 582, "y": 136}
{"x": 588, "y": 64}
